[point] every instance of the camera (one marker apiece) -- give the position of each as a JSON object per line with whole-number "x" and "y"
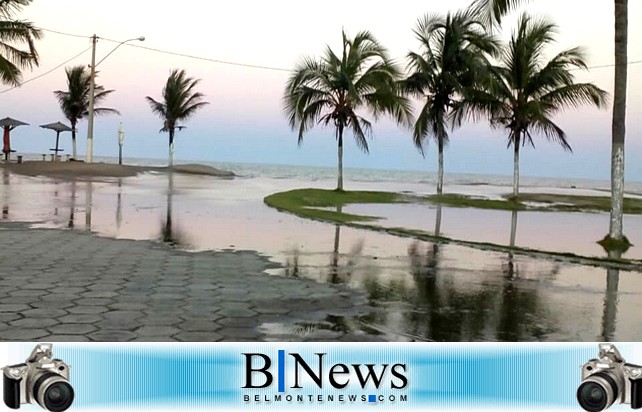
{"x": 608, "y": 380}
{"x": 41, "y": 379}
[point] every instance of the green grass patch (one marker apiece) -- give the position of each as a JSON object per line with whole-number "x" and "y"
{"x": 306, "y": 203}
{"x": 561, "y": 202}
{"x": 456, "y": 200}
{"x": 544, "y": 202}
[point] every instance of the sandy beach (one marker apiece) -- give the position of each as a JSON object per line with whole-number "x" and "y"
{"x": 82, "y": 169}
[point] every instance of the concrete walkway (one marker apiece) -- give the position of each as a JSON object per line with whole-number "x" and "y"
{"x": 59, "y": 285}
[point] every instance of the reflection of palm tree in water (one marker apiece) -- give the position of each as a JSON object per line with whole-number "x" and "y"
{"x": 340, "y": 274}
{"x": 170, "y": 233}
{"x": 167, "y": 229}
{"x": 89, "y": 192}
{"x": 519, "y": 307}
{"x": 609, "y": 313}
{"x": 119, "y": 204}
{"x": 442, "y": 312}
{"x": 72, "y": 207}
{"x": 6, "y": 181}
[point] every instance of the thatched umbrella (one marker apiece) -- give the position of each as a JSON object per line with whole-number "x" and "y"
{"x": 57, "y": 127}
{"x": 8, "y": 124}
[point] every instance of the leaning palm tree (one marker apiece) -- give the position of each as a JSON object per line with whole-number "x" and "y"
{"x": 451, "y": 63}
{"x": 527, "y": 90}
{"x": 13, "y": 36}
{"x": 180, "y": 101}
{"x": 335, "y": 90}
{"x": 74, "y": 102}
{"x": 493, "y": 10}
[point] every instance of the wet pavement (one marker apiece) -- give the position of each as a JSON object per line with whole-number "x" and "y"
{"x": 402, "y": 289}
{"x": 69, "y": 286}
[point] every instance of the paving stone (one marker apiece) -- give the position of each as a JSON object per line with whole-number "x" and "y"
{"x": 15, "y": 334}
{"x": 126, "y": 306}
{"x": 65, "y": 338}
{"x": 99, "y": 294}
{"x": 72, "y": 329}
{"x": 199, "y": 326}
{"x": 87, "y": 310}
{"x": 237, "y": 313}
{"x": 11, "y": 307}
{"x": 115, "y": 290}
{"x": 44, "y": 313}
{"x": 246, "y": 333}
{"x": 157, "y": 331}
{"x": 112, "y": 336}
{"x": 159, "y": 320}
{"x": 80, "y": 318}
{"x": 51, "y": 305}
{"x": 198, "y": 337}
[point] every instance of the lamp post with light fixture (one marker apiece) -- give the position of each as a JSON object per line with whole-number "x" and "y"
{"x": 92, "y": 87}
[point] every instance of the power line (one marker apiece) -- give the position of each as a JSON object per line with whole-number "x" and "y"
{"x": 253, "y": 66}
{"x": 189, "y": 56}
{"x": 63, "y": 33}
{"x": 47, "y": 72}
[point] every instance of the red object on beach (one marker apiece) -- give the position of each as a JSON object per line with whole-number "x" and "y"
{"x": 6, "y": 147}
{"x": 8, "y": 124}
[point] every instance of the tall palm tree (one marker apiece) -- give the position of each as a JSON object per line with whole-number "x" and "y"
{"x": 74, "y": 102}
{"x": 495, "y": 9}
{"x": 13, "y": 36}
{"x": 335, "y": 89}
{"x": 527, "y": 90}
{"x": 449, "y": 65}
{"x": 180, "y": 102}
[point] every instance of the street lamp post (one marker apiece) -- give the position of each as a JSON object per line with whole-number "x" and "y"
{"x": 92, "y": 90}
{"x": 121, "y": 138}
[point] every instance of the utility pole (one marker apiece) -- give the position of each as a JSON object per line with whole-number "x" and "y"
{"x": 90, "y": 116}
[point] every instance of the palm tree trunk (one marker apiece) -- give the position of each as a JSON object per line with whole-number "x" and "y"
{"x": 440, "y": 170}
{"x": 340, "y": 154}
{"x": 171, "y": 147}
{"x": 619, "y": 120}
{"x": 73, "y": 139}
{"x": 516, "y": 167}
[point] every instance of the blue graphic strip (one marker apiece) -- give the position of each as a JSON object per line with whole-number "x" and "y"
{"x": 281, "y": 371}
{"x": 402, "y": 376}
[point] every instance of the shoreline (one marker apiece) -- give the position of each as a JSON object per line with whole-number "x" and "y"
{"x": 71, "y": 170}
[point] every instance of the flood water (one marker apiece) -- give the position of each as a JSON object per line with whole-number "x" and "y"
{"x": 422, "y": 291}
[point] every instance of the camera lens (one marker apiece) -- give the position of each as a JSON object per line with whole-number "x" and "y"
{"x": 53, "y": 392}
{"x": 597, "y": 392}
{"x": 58, "y": 396}
{"x": 592, "y": 397}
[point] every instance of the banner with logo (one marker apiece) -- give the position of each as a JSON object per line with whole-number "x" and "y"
{"x": 328, "y": 376}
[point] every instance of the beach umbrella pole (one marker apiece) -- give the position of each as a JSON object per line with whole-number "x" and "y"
{"x": 56, "y": 152}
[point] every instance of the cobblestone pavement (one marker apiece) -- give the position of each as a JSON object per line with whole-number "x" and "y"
{"x": 59, "y": 285}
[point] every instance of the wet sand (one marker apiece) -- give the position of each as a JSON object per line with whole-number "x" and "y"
{"x": 424, "y": 291}
{"x": 71, "y": 170}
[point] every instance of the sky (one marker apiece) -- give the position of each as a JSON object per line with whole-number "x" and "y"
{"x": 244, "y": 121}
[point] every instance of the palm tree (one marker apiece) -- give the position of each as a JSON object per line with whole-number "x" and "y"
{"x": 527, "y": 91}
{"x": 180, "y": 101}
{"x": 450, "y": 64}
{"x": 493, "y": 10}
{"x": 74, "y": 102}
{"x": 333, "y": 90}
{"x": 14, "y": 34}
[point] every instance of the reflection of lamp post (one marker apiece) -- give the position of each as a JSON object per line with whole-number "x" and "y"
{"x": 92, "y": 87}
{"x": 121, "y": 138}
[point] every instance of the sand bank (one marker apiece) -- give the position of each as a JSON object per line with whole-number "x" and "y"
{"x": 81, "y": 169}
